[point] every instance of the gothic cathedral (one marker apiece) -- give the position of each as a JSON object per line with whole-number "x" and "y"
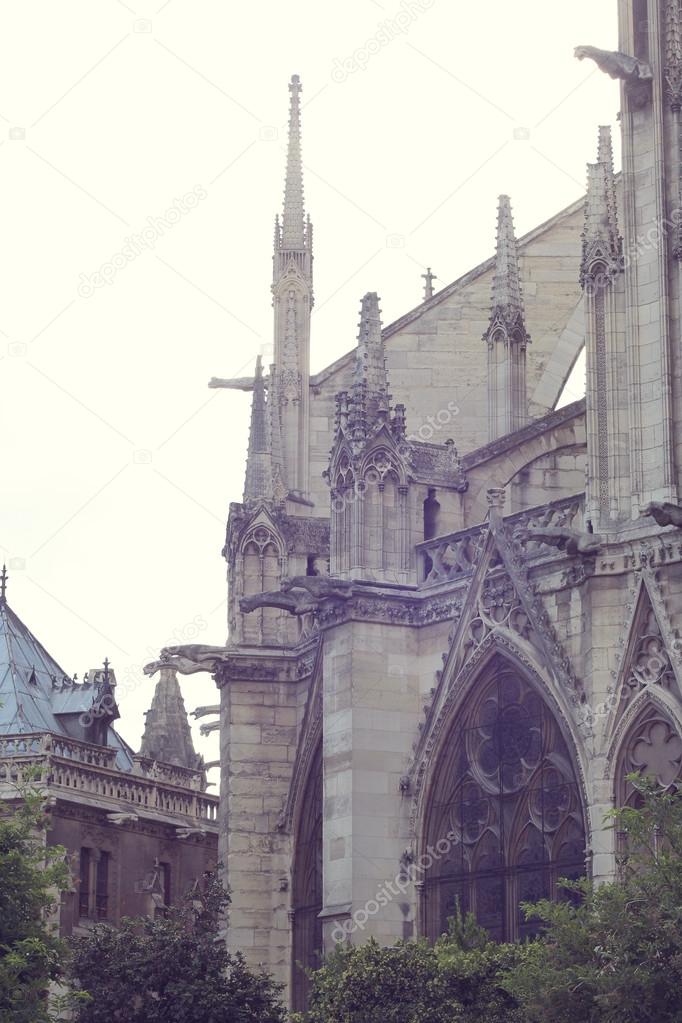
{"x": 454, "y": 607}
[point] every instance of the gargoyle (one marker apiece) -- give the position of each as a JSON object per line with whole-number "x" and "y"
{"x": 665, "y": 513}
{"x": 616, "y": 64}
{"x": 569, "y": 540}
{"x": 201, "y": 712}
{"x": 208, "y": 727}
{"x": 296, "y": 602}
{"x": 636, "y": 74}
{"x": 188, "y": 658}
{"x": 320, "y": 587}
{"x": 300, "y": 594}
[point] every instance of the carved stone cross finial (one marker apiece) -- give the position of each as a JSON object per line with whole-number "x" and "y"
{"x": 429, "y": 278}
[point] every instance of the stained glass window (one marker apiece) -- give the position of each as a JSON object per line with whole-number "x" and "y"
{"x": 505, "y": 820}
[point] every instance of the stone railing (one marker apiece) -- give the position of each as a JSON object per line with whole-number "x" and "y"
{"x": 57, "y": 745}
{"x": 171, "y": 774}
{"x": 65, "y": 767}
{"x": 446, "y": 559}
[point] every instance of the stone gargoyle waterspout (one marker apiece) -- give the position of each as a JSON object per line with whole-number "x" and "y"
{"x": 664, "y": 513}
{"x": 188, "y": 658}
{"x": 570, "y": 540}
{"x": 300, "y": 594}
{"x": 636, "y": 73}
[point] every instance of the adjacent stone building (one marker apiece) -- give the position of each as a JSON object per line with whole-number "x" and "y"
{"x": 454, "y": 607}
{"x": 138, "y": 829}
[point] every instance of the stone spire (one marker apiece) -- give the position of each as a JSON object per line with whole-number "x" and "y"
{"x": 368, "y": 403}
{"x": 507, "y": 301}
{"x": 258, "y": 481}
{"x": 506, "y": 335}
{"x": 293, "y": 219}
{"x": 601, "y": 240}
{"x": 370, "y": 377}
{"x": 607, "y": 397}
{"x": 292, "y": 291}
{"x": 278, "y": 468}
{"x": 167, "y": 736}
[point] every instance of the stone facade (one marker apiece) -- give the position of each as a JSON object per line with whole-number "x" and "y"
{"x": 447, "y": 653}
{"x": 139, "y": 830}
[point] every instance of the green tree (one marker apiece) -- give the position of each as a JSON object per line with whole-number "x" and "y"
{"x": 457, "y": 980}
{"x": 32, "y": 875}
{"x": 174, "y": 969}
{"x": 616, "y": 956}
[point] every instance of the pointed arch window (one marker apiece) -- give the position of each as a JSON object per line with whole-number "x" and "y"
{"x": 505, "y": 820}
{"x": 307, "y": 885}
{"x": 261, "y": 571}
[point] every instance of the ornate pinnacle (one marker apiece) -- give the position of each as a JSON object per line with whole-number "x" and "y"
{"x": 507, "y": 316}
{"x": 601, "y": 240}
{"x": 605, "y": 158}
{"x": 506, "y": 282}
{"x": 370, "y": 385}
{"x": 293, "y": 219}
{"x": 258, "y": 481}
{"x": 3, "y": 585}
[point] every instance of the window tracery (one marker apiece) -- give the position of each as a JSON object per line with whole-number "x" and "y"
{"x": 506, "y": 802}
{"x": 307, "y": 885}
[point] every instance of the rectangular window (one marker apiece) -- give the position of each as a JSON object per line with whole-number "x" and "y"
{"x": 102, "y": 886}
{"x": 84, "y": 885}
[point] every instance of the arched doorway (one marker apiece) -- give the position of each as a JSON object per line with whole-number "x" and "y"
{"x": 504, "y": 820}
{"x": 307, "y": 885}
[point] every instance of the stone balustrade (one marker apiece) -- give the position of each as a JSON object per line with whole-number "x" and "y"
{"x": 65, "y": 766}
{"x": 446, "y": 559}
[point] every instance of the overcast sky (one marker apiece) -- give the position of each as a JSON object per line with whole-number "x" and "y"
{"x": 118, "y": 464}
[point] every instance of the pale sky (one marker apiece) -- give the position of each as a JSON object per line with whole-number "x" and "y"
{"x": 118, "y": 462}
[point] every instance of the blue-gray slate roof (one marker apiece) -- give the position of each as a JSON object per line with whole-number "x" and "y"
{"x": 35, "y": 691}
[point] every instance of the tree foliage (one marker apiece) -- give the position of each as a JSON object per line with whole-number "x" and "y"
{"x": 32, "y": 875}
{"x": 173, "y": 969}
{"x": 454, "y": 981}
{"x": 617, "y": 956}
{"x": 612, "y": 953}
